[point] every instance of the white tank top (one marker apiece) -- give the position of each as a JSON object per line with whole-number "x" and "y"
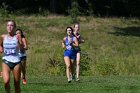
{"x": 11, "y": 49}
{"x": 22, "y": 54}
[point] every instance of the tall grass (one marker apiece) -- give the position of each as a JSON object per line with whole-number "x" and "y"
{"x": 111, "y": 44}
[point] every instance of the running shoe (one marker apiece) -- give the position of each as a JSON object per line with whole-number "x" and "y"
{"x": 69, "y": 81}
{"x": 24, "y": 81}
{"x": 72, "y": 77}
{"x": 77, "y": 79}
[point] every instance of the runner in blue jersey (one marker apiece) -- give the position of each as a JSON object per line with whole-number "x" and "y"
{"x": 77, "y": 49}
{"x": 69, "y": 43}
{"x": 9, "y": 46}
{"x": 23, "y": 55}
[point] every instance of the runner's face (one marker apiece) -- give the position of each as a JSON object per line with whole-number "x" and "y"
{"x": 69, "y": 31}
{"x": 10, "y": 26}
{"x": 18, "y": 32}
{"x": 77, "y": 27}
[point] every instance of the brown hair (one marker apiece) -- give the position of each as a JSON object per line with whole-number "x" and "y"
{"x": 22, "y": 35}
{"x": 76, "y": 24}
{"x": 70, "y": 28}
{"x": 12, "y": 21}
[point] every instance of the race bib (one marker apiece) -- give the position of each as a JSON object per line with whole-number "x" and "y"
{"x": 9, "y": 51}
{"x": 69, "y": 47}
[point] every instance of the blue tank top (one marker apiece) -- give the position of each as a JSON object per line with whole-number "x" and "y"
{"x": 67, "y": 44}
{"x": 11, "y": 49}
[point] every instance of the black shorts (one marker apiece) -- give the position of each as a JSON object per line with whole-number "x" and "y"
{"x": 78, "y": 49}
{"x": 23, "y": 58}
{"x": 10, "y": 64}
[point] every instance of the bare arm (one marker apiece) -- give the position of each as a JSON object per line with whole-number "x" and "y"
{"x": 1, "y": 41}
{"x": 20, "y": 43}
{"x": 81, "y": 40}
{"x": 63, "y": 44}
{"x": 25, "y": 43}
{"x": 75, "y": 44}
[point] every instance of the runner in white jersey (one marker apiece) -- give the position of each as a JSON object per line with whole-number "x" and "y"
{"x": 23, "y": 55}
{"x": 9, "y": 46}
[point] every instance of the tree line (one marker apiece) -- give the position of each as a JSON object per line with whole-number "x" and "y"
{"x": 85, "y": 7}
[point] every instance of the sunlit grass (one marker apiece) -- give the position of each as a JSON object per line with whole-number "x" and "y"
{"x": 110, "y": 44}
{"x": 59, "y": 84}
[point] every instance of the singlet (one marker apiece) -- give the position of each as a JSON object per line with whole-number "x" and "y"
{"x": 21, "y": 54}
{"x": 67, "y": 44}
{"x": 79, "y": 39}
{"x": 10, "y": 46}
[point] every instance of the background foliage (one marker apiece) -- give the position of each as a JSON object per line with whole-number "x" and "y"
{"x": 86, "y": 7}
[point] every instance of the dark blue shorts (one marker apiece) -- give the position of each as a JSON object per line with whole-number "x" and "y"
{"x": 10, "y": 64}
{"x": 23, "y": 58}
{"x": 70, "y": 53}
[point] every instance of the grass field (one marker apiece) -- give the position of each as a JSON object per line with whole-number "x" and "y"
{"x": 110, "y": 61}
{"x": 108, "y": 84}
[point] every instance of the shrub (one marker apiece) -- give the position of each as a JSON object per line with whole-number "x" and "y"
{"x": 85, "y": 64}
{"x": 3, "y": 11}
{"x": 74, "y": 12}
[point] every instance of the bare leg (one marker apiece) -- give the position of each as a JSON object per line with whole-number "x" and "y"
{"x": 1, "y": 74}
{"x": 67, "y": 62}
{"x": 73, "y": 68}
{"x": 23, "y": 71}
{"x": 6, "y": 77}
{"x": 77, "y": 65}
{"x": 17, "y": 75}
